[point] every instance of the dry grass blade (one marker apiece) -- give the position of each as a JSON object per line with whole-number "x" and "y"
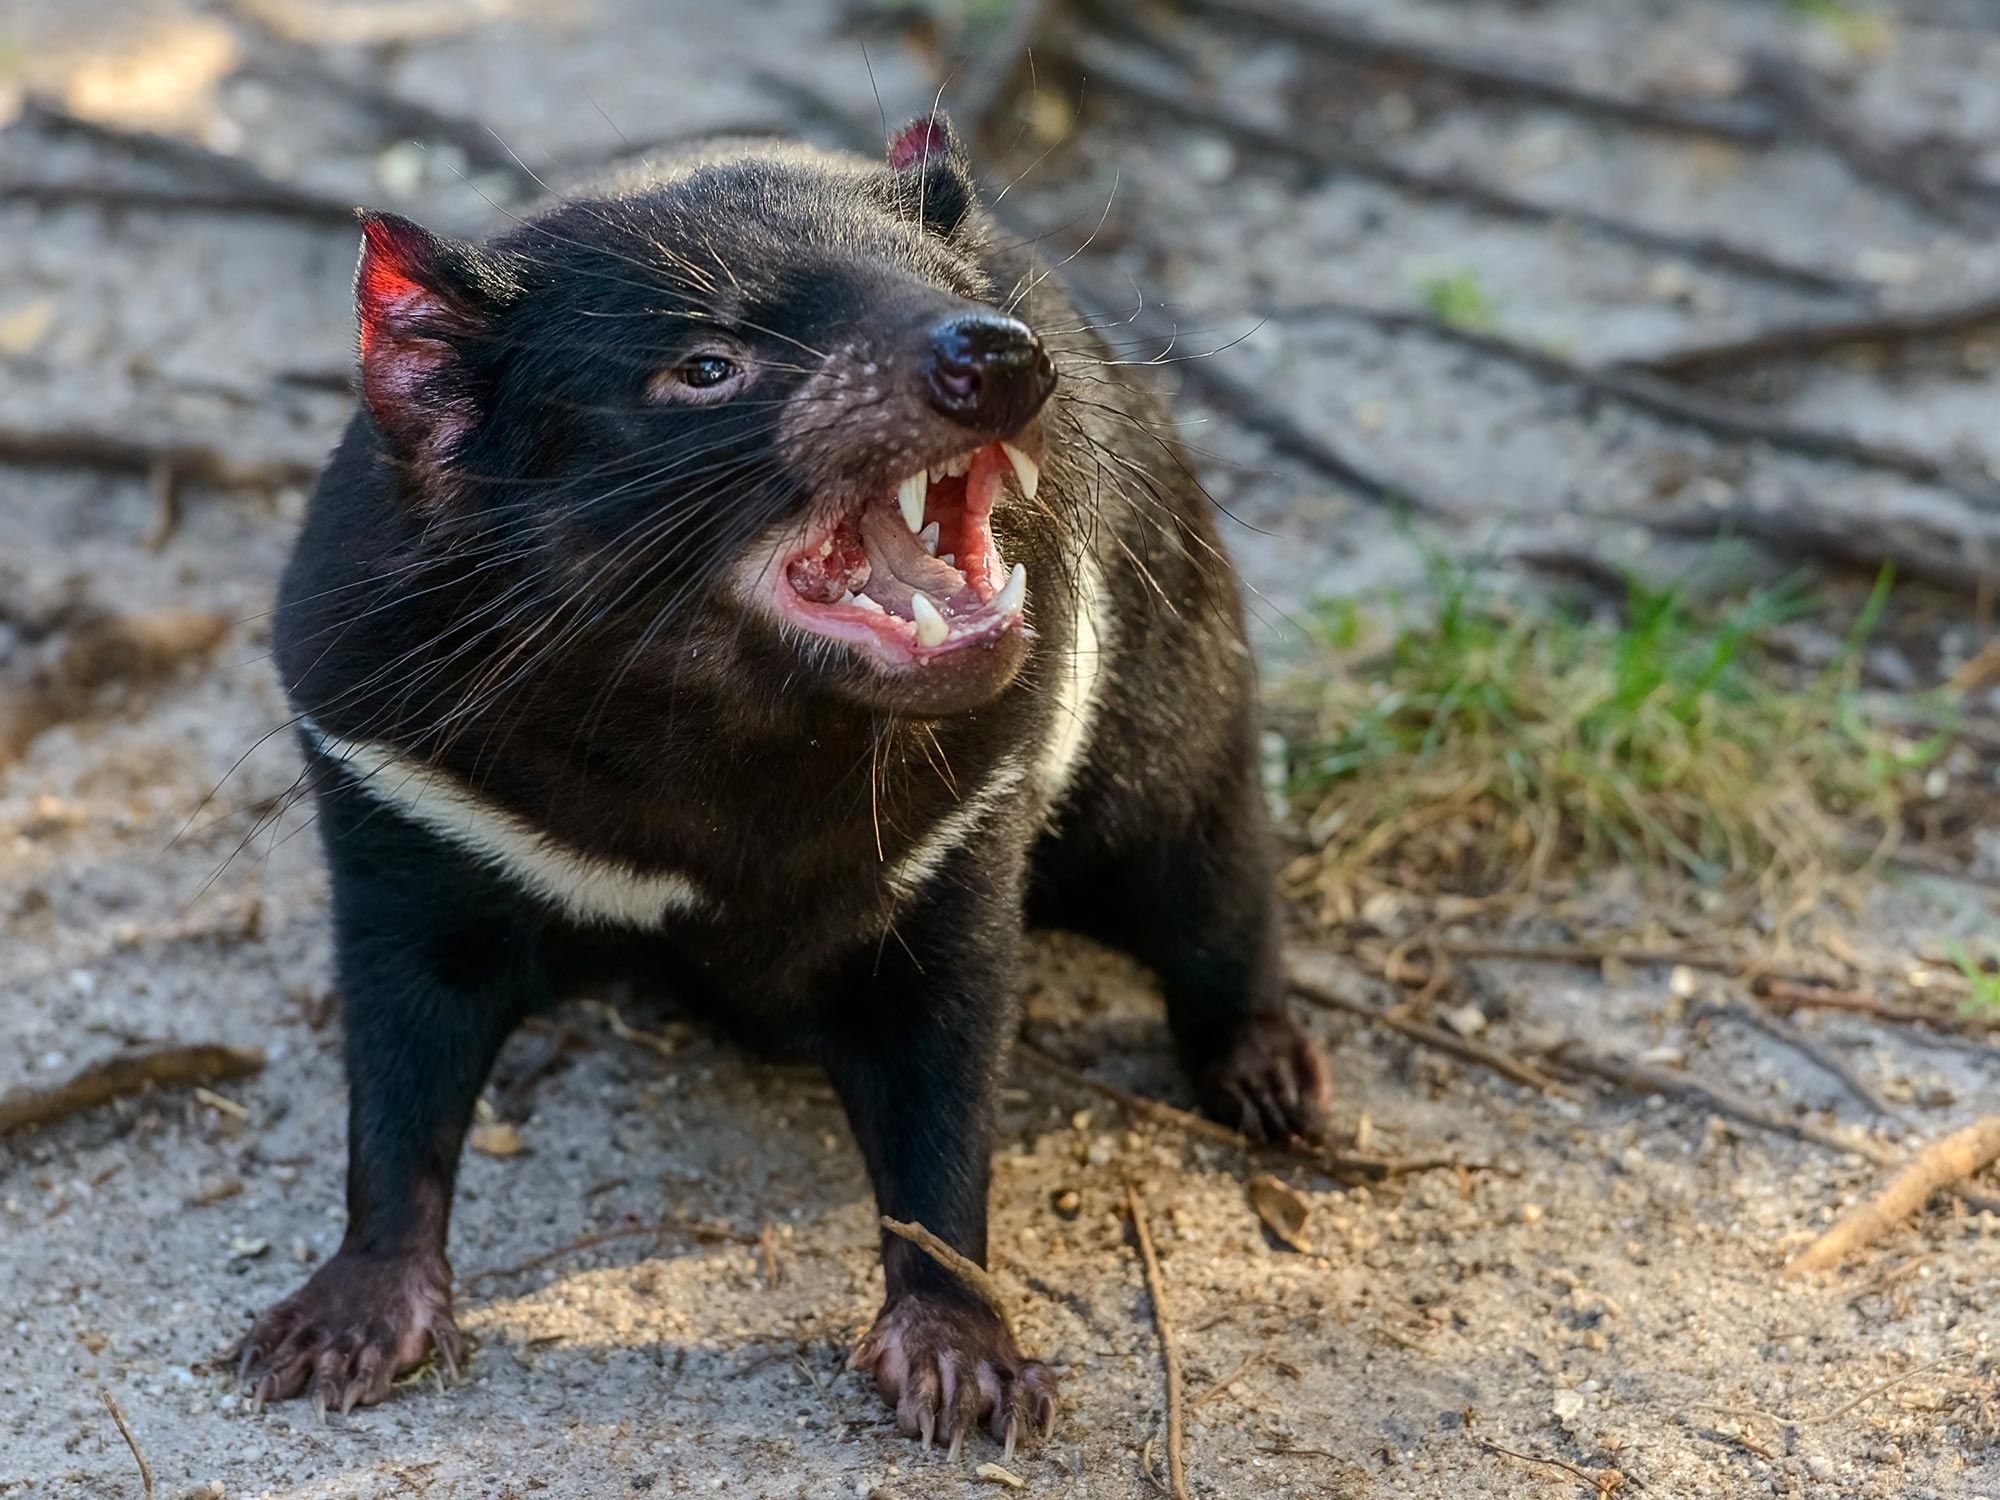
{"x": 975, "y": 1276}
{"x": 1942, "y": 1164}
{"x": 1170, "y": 1351}
{"x": 127, "y": 1073}
{"x": 145, "y": 1473}
{"x": 1601, "y": 1481}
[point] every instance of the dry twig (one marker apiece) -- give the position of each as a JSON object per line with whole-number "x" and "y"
{"x": 145, "y": 1474}
{"x": 1821, "y": 1056}
{"x": 1109, "y": 70}
{"x": 1345, "y": 37}
{"x": 1942, "y": 1164}
{"x": 1346, "y": 1165}
{"x": 1170, "y": 1353}
{"x": 1805, "y": 340}
{"x": 711, "y": 1232}
{"x": 1316, "y": 990}
{"x": 119, "y": 454}
{"x": 1601, "y": 1481}
{"x": 126, "y": 1073}
{"x": 975, "y": 1276}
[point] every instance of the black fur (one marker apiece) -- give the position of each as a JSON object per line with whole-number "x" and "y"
{"x": 514, "y": 570}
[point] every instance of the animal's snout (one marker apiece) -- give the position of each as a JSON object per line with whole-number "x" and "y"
{"x": 989, "y": 372}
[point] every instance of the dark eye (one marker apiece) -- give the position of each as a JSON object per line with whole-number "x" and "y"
{"x": 705, "y": 370}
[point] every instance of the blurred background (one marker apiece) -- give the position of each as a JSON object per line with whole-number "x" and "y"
{"x": 1601, "y": 399}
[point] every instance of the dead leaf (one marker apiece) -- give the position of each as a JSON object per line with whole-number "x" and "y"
{"x": 497, "y": 1139}
{"x": 1282, "y": 1210}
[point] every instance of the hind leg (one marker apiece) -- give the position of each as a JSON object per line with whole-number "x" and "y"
{"x": 1191, "y": 897}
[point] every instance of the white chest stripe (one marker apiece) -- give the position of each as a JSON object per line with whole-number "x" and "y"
{"x": 1079, "y": 683}
{"x": 951, "y": 830}
{"x": 583, "y": 887}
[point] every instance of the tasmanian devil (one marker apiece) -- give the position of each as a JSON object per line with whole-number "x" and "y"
{"x": 751, "y": 577}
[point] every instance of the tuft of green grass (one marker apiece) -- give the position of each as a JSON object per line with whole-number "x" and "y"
{"x": 1982, "y": 983}
{"x": 1460, "y": 300}
{"x": 1470, "y": 742}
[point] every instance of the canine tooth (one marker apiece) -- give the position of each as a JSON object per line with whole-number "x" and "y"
{"x": 1010, "y": 599}
{"x": 1026, "y": 470}
{"x": 910, "y": 499}
{"x": 929, "y": 537}
{"x": 931, "y": 628}
{"x": 867, "y": 602}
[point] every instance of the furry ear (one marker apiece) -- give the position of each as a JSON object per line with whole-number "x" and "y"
{"x": 424, "y": 305}
{"x": 929, "y": 155}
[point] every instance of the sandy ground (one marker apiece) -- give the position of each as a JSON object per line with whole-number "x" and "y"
{"x": 1602, "y": 1295}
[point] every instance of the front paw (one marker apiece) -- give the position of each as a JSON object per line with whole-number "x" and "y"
{"x": 947, "y": 1366}
{"x": 1270, "y": 1081}
{"x": 361, "y": 1321}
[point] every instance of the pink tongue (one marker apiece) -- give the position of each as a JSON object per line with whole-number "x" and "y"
{"x": 900, "y": 566}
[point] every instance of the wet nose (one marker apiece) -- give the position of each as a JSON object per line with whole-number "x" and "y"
{"x": 989, "y": 372}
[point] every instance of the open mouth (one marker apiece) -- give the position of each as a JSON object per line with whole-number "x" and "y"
{"x": 913, "y": 573}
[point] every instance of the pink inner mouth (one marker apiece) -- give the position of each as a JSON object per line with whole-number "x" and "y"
{"x": 909, "y": 596}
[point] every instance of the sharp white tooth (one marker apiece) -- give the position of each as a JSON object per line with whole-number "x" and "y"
{"x": 949, "y": 559}
{"x": 1010, "y": 599}
{"x": 910, "y": 499}
{"x": 931, "y": 628}
{"x": 864, "y": 601}
{"x": 929, "y": 537}
{"x": 1025, "y": 470}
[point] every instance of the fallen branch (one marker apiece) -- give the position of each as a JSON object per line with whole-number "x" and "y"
{"x": 127, "y": 1073}
{"x": 1642, "y": 1078}
{"x": 1170, "y": 1353}
{"x": 119, "y": 454}
{"x": 1942, "y": 1164}
{"x": 1733, "y": 421}
{"x": 1818, "y": 336}
{"x": 1815, "y": 1052}
{"x": 236, "y": 180}
{"x": 145, "y": 1474}
{"x": 1730, "y": 120}
{"x": 1349, "y": 1166}
{"x": 1920, "y": 176}
{"x": 1317, "y": 990}
{"x": 1106, "y": 69}
{"x": 967, "y": 1270}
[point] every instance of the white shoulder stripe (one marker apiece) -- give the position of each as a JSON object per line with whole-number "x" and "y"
{"x": 583, "y": 887}
{"x": 1079, "y": 683}
{"x": 913, "y": 869}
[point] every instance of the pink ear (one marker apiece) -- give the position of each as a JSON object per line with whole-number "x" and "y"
{"x": 412, "y": 306}
{"x": 919, "y": 143}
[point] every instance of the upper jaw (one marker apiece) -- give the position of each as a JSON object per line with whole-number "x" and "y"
{"x": 907, "y": 572}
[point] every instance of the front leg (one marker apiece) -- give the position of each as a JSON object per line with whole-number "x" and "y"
{"x": 436, "y": 967}
{"x": 915, "y": 1047}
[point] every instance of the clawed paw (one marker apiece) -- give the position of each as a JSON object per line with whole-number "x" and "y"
{"x": 346, "y": 1335}
{"x": 1271, "y": 1084}
{"x": 947, "y": 1367}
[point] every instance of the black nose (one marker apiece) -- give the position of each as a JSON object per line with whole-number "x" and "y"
{"x": 989, "y": 371}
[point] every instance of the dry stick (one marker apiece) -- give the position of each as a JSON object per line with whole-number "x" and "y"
{"x": 1816, "y": 1052}
{"x": 967, "y": 1270}
{"x": 1603, "y": 1481}
{"x": 1347, "y": 1165}
{"x": 45, "y": 193}
{"x": 1942, "y": 1164}
{"x": 1170, "y": 1353}
{"x": 1108, "y": 70}
{"x": 1221, "y": 1387}
{"x": 1818, "y": 336}
{"x": 145, "y": 1474}
{"x": 120, "y": 454}
{"x": 126, "y": 1073}
{"x": 1920, "y": 176}
{"x": 710, "y": 1232}
{"x": 1732, "y": 120}
{"x": 236, "y": 179}
{"x": 1735, "y": 421}
{"x": 1317, "y": 991}
{"x": 1805, "y": 994}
